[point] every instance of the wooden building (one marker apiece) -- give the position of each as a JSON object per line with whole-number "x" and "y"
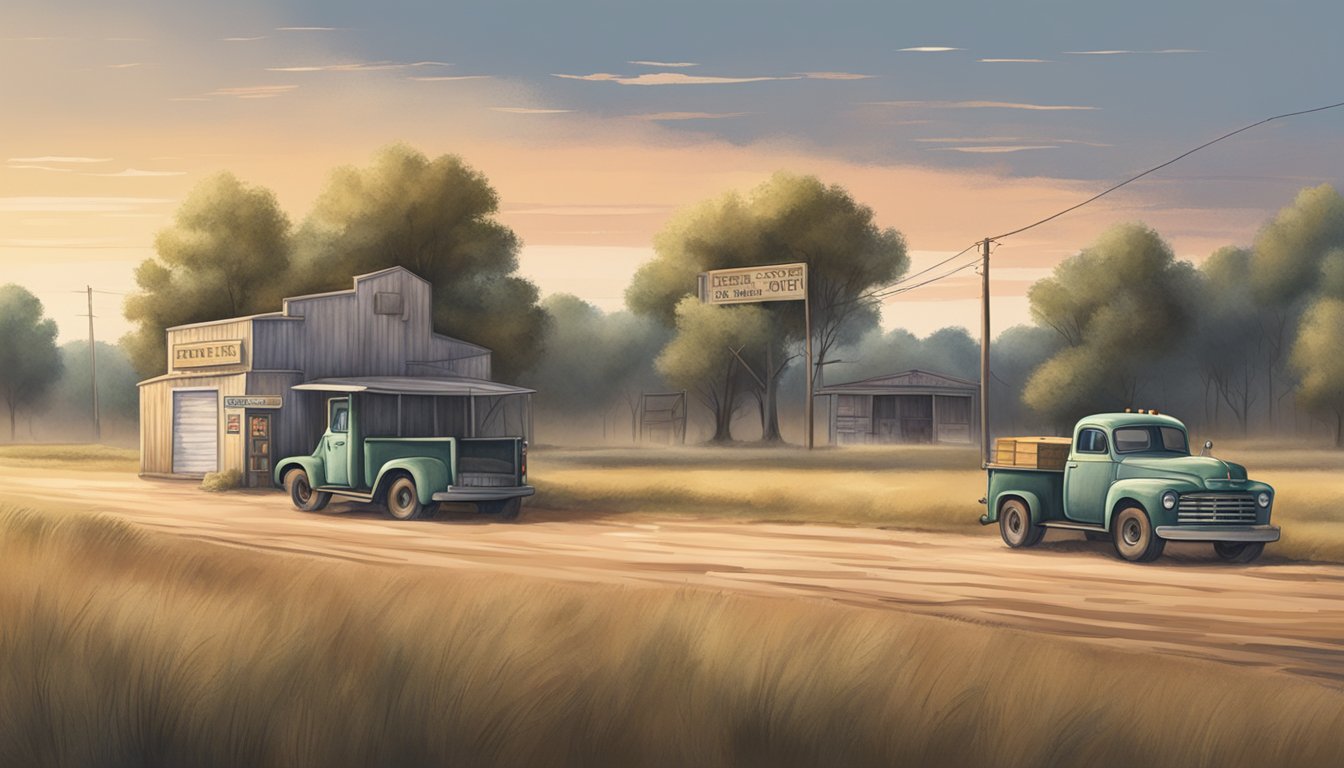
{"x": 910, "y": 407}
{"x": 227, "y": 400}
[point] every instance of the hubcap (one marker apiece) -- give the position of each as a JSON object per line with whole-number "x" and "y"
{"x": 1132, "y": 532}
{"x": 404, "y": 498}
{"x": 1014, "y": 522}
{"x": 305, "y": 492}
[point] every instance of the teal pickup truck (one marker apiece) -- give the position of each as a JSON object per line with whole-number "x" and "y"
{"x": 408, "y": 475}
{"x": 1130, "y": 478}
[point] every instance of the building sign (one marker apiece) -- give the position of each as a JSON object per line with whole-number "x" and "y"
{"x": 255, "y": 401}
{"x": 775, "y": 282}
{"x": 203, "y": 354}
{"x": 235, "y": 424}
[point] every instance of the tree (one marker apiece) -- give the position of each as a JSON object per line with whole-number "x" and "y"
{"x": 1228, "y": 341}
{"x": 787, "y": 219}
{"x": 1288, "y": 256}
{"x": 435, "y": 218}
{"x": 71, "y": 398}
{"x": 700, "y": 357}
{"x": 593, "y": 361}
{"x": 226, "y": 255}
{"x": 1118, "y": 306}
{"x": 29, "y": 361}
{"x": 1318, "y": 356}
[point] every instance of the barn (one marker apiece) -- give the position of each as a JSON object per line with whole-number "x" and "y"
{"x": 910, "y": 407}
{"x": 228, "y": 400}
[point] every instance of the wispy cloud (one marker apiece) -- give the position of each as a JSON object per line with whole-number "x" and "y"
{"x": 1014, "y": 61}
{"x": 675, "y": 64}
{"x": 39, "y": 168}
{"x": 243, "y": 39}
{"x": 127, "y": 65}
{"x": 660, "y": 116}
{"x": 1129, "y": 53}
{"x": 982, "y": 105}
{"x": 77, "y": 204}
{"x": 306, "y": 29}
{"x": 359, "y": 66}
{"x": 834, "y": 76}
{"x": 530, "y": 110}
{"x": 994, "y": 150}
{"x": 61, "y": 242}
{"x": 445, "y": 78}
{"x": 1006, "y": 140}
{"x": 59, "y": 159}
{"x": 930, "y": 49}
{"x": 138, "y": 173}
{"x": 672, "y": 78}
{"x": 253, "y": 91}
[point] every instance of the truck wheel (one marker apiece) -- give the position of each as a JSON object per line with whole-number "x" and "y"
{"x": 1134, "y": 538}
{"x": 1238, "y": 551}
{"x": 1015, "y": 525}
{"x": 503, "y": 509}
{"x": 403, "y": 503}
{"x": 301, "y": 492}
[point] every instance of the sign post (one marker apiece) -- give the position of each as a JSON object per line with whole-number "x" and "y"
{"x": 770, "y": 282}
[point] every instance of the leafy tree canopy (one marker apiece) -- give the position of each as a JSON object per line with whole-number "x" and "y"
{"x": 1290, "y": 249}
{"x": 436, "y": 218}
{"x": 225, "y": 255}
{"x": 29, "y": 360}
{"x": 1318, "y": 356}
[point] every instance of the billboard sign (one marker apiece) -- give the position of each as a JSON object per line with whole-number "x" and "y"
{"x": 746, "y": 285}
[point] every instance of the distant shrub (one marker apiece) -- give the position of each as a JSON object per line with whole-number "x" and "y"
{"x": 216, "y": 482}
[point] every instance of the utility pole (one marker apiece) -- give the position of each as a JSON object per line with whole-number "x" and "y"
{"x": 93, "y": 371}
{"x": 984, "y": 351}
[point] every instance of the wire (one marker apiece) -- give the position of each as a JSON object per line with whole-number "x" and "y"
{"x": 880, "y": 292}
{"x": 1181, "y": 156}
{"x": 907, "y": 289}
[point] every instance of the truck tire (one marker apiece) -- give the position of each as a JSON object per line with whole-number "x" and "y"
{"x": 403, "y": 503}
{"x": 1238, "y": 551}
{"x": 1015, "y": 525}
{"x": 1134, "y": 538}
{"x": 301, "y": 492}
{"x": 502, "y": 509}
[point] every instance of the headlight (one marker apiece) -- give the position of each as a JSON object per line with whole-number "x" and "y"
{"x": 1169, "y": 500}
{"x": 1262, "y": 499}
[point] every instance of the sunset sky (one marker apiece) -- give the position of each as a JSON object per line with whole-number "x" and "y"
{"x": 596, "y": 120}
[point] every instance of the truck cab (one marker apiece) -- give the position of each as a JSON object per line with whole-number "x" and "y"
{"x": 1128, "y": 477}
{"x": 361, "y": 456}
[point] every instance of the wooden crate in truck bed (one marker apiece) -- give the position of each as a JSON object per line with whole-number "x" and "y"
{"x": 1032, "y": 452}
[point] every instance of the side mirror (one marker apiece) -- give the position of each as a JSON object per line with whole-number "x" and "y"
{"x": 1208, "y": 448}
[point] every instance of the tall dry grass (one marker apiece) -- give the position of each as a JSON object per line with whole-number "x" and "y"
{"x": 123, "y": 648}
{"x": 900, "y": 487}
{"x": 74, "y": 456}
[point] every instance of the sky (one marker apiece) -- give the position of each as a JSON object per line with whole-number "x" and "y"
{"x": 595, "y": 121}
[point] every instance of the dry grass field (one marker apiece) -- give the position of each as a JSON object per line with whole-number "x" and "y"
{"x": 125, "y": 648}
{"x": 75, "y": 456}
{"x": 897, "y": 487}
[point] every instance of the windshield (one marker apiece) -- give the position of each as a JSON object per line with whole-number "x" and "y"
{"x": 1141, "y": 439}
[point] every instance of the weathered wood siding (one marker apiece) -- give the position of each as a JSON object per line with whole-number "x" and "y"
{"x": 277, "y": 344}
{"x": 156, "y": 420}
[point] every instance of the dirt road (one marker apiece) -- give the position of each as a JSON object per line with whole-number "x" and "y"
{"x": 1275, "y": 615}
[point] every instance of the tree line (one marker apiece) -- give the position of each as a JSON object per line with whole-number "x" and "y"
{"x": 1252, "y": 338}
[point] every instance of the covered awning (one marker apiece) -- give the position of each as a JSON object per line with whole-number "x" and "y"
{"x": 415, "y": 385}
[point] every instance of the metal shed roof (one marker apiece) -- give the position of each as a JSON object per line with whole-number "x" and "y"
{"x": 914, "y": 380}
{"x": 415, "y": 385}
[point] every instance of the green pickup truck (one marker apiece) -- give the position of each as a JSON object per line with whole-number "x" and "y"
{"x": 1130, "y": 478}
{"x": 409, "y": 475}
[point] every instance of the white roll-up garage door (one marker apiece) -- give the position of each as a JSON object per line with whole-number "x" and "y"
{"x": 195, "y": 432}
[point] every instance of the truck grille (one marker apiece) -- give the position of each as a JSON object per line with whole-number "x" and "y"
{"x": 1216, "y": 508}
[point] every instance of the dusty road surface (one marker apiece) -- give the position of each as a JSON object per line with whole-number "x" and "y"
{"x": 1275, "y": 615}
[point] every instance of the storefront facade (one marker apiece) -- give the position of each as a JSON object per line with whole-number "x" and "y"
{"x": 226, "y": 402}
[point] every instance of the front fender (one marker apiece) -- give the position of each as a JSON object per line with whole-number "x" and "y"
{"x": 314, "y": 466}
{"x": 1033, "y": 501}
{"x": 1147, "y": 492}
{"x": 430, "y": 476}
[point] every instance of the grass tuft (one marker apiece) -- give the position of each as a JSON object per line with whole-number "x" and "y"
{"x": 218, "y": 482}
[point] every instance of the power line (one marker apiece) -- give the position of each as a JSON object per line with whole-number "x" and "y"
{"x": 906, "y": 289}
{"x": 1155, "y": 168}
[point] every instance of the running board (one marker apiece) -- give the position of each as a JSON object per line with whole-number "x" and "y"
{"x": 346, "y": 492}
{"x": 1074, "y": 526}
